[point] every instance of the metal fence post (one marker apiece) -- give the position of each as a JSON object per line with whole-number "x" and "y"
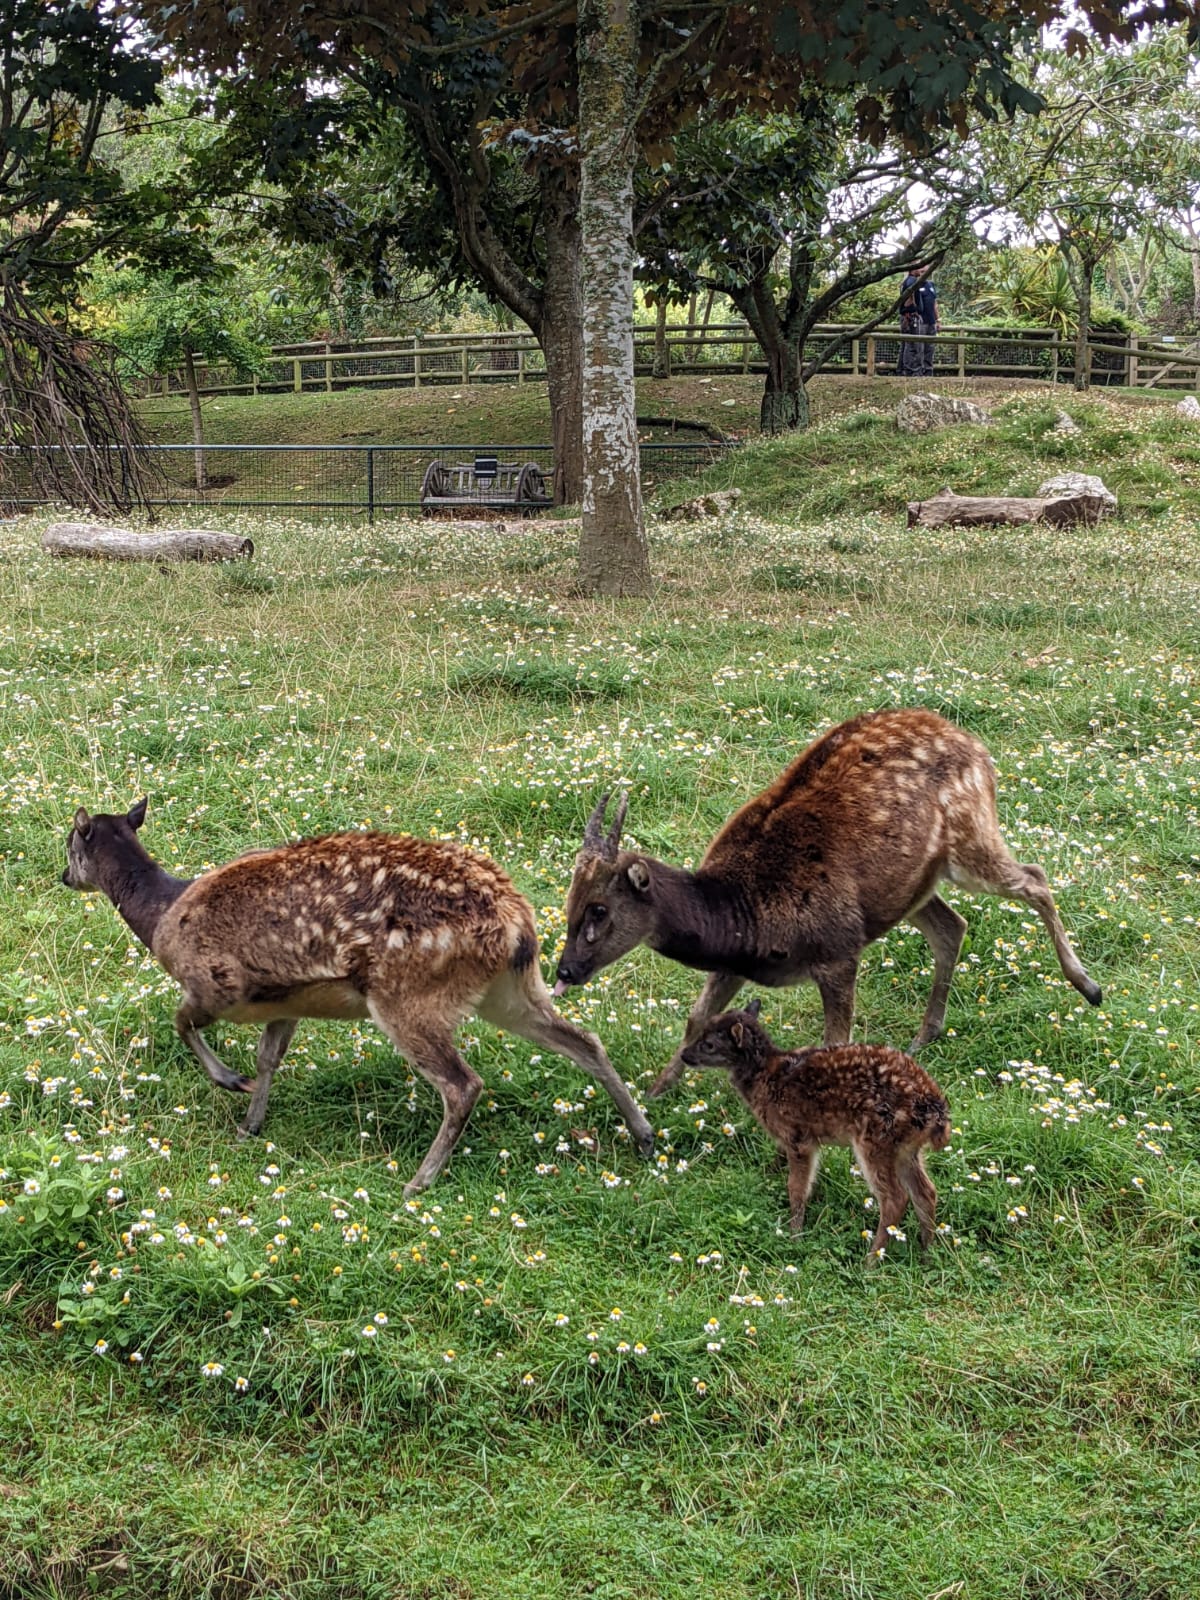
{"x": 370, "y": 486}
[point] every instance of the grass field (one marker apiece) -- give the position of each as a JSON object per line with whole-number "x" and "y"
{"x": 253, "y": 1370}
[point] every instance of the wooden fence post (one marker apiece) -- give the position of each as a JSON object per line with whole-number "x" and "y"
{"x": 1131, "y": 362}
{"x": 854, "y": 358}
{"x": 328, "y": 369}
{"x": 870, "y": 355}
{"x": 962, "y": 359}
{"x": 297, "y": 376}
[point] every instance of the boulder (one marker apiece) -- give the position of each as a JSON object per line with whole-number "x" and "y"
{"x": 1065, "y": 423}
{"x": 1190, "y": 408}
{"x": 1077, "y": 485}
{"x": 925, "y": 413}
{"x": 717, "y": 504}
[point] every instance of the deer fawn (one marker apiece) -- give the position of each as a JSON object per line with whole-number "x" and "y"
{"x": 877, "y": 1101}
{"x": 413, "y": 933}
{"x": 849, "y": 840}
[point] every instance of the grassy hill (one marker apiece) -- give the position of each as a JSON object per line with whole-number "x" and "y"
{"x": 852, "y": 460}
{"x": 252, "y": 1371}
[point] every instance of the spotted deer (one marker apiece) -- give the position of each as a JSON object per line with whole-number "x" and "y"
{"x": 413, "y": 933}
{"x": 852, "y": 838}
{"x": 877, "y": 1101}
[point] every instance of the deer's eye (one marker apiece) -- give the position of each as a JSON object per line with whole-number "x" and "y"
{"x": 597, "y": 913}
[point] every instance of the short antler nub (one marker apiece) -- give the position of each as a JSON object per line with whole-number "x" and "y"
{"x": 593, "y": 837}
{"x": 595, "y": 842}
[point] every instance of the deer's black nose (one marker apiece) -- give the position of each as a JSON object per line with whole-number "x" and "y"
{"x": 66, "y": 877}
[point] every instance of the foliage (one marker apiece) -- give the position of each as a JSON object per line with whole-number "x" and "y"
{"x": 158, "y": 322}
{"x": 1033, "y": 286}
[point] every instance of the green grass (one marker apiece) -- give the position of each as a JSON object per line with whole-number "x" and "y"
{"x": 1015, "y": 1416}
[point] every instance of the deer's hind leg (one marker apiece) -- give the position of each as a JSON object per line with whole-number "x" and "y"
{"x": 521, "y": 1002}
{"x": 943, "y": 930}
{"x": 425, "y": 1038}
{"x": 989, "y": 866}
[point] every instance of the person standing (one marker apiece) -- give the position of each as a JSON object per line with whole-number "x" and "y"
{"x": 918, "y": 315}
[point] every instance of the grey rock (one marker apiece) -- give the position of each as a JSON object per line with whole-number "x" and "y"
{"x": 1190, "y": 408}
{"x": 717, "y": 504}
{"x": 925, "y": 413}
{"x": 1080, "y": 483}
{"x": 1065, "y": 423}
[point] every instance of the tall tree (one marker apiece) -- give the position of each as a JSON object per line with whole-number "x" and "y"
{"x": 791, "y": 214}
{"x": 642, "y": 71}
{"x": 1113, "y": 148}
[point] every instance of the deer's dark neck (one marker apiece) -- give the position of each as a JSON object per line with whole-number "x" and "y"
{"x": 703, "y": 922}
{"x": 141, "y": 891}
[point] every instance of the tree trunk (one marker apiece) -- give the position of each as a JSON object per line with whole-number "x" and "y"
{"x": 947, "y": 509}
{"x": 784, "y": 403}
{"x": 560, "y": 333}
{"x": 662, "y": 361}
{"x": 785, "y": 399}
{"x": 1083, "y": 296}
{"x": 128, "y": 544}
{"x": 613, "y": 556}
{"x": 193, "y": 389}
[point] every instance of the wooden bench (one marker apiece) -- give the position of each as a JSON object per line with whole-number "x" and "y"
{"x": 486, "y": 481}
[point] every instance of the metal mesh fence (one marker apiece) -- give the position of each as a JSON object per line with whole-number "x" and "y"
{"x": 361, "y": 479}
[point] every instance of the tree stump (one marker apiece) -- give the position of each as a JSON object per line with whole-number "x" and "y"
{"x": 125, "y": 544}
{"x": 948, "y": 509}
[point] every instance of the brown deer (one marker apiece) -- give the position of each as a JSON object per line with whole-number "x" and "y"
{"x": 876, "y": 1100}
{"x": 413, "y": 933}
{"x": 849, "y": 840}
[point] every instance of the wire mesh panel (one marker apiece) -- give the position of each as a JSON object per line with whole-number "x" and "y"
{"x": 360, "y": 479}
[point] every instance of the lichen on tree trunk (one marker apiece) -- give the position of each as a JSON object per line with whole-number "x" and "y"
{"x": 613, "y": 555}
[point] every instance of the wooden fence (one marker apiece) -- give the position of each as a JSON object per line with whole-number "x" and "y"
{"x": 425, "y": 360}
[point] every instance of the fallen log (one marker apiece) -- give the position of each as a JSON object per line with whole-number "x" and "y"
{"x": 125, "y": 544}
{"x": 948, "y": 509}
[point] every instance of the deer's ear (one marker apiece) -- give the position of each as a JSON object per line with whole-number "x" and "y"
{"x": 83, "y": 824}
{"x": 639, "y": 875}
{"x": 738, "y": 1033}
{"x": 136, "y": 814}
{"x": 754, "y": 1008}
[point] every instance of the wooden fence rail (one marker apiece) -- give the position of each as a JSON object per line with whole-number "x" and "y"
{"x": 461, "y": 359}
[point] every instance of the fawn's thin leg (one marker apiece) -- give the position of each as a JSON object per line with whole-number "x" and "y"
{"x": 912, "y": 1174}
{"x": 272, "y": 1047}
{"x": 189, "y": 1019}
{"x": 802, "y": 1172}
{"x": 431, "y": 1051}
{"x": 521, "y": 1003}
{"x": 944, "y": 931}
{"x": 836, "y": 984}
{"x": 891, "y": 1197}
{"x": 719, "y": 989}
